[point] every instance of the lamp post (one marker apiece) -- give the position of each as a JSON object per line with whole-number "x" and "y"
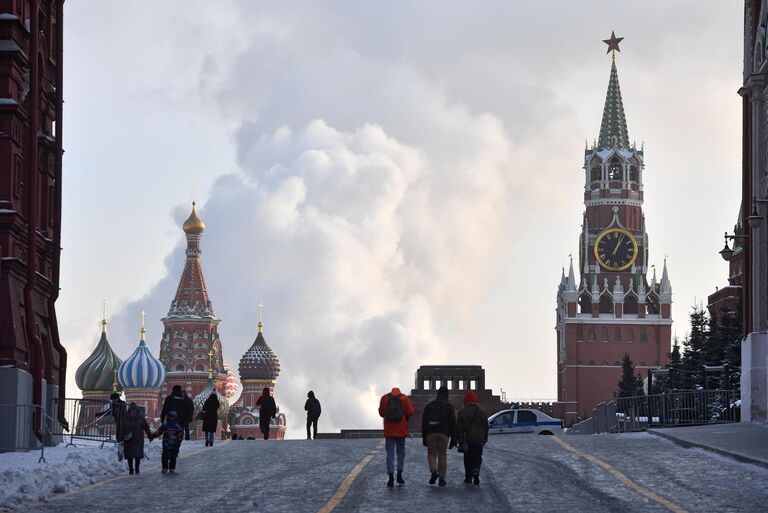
{"x": 755, "y": 219}
{"x": 726, "y": 252}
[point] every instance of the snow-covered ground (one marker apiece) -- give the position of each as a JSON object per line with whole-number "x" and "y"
{"x": 23, "y": 479}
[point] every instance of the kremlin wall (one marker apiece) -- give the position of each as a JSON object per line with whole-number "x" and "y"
{"x": 190, "y": 356}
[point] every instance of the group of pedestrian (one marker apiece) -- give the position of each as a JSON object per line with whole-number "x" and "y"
{"x": 441, "y": 430}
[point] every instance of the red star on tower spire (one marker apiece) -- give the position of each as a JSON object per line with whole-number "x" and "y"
{"x": 613, "y": 42}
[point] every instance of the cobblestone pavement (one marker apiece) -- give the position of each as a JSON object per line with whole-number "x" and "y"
{"x": 520, "y": 473}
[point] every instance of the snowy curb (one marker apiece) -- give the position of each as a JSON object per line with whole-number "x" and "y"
{"x": 728, "y": 454}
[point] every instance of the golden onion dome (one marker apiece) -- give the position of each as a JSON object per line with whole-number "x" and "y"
{"x": 194, "y": 224}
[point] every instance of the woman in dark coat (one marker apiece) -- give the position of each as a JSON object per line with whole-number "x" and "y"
{"x": 267, "y": 410}
{"x": 131, "y": 431}
{"x": 210, "y": 418}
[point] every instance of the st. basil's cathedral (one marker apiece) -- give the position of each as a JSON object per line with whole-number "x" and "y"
{"x": 191, "y": 356}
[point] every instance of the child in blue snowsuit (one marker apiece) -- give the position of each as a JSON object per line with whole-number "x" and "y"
{"x": 173, "y": 434}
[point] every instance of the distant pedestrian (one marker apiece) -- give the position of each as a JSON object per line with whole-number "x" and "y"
{"x": 267, "y": 410}
{"x": 472, "y": 426}
{"x": 130, "y": 433}
{"x": 179, "y": 403}
{"x": 172, "y": 434}
{"x": 210, "y": 418}
{"x": 189, "y": 412}
{"x": 116, "y": 409}
{"x": 312, "y": 407}
{"x": 438, "y": 423}
{"x": 395, "y": 408}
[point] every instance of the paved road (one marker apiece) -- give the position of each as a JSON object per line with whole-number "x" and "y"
{"x": 603, "y": 473}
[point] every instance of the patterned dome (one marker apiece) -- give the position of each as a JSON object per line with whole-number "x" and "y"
{"x": 97, "y": 371}
{"x": 259, "y": 362}
{"x": 232, "y": 385}
{"x": 141, "y": 369}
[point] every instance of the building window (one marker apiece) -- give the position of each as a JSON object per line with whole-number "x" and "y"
{"x": 179, "y": 368}
{"x": 596, "y": 173}
{"x": 472, "y": 384}
{"x": 615, "y": 169}
{"x": 592, "y": 362}
{"x": 592, "y": 337}
{"x": 630, "y": 305}
{"x": 617, "y": 336}
{"x": 425, "y": 385}
{"x": 449, "y": 384}
{"x": 606, "y": 304}
{"x": 633, "y": 175}
{"x": 643, "y": 335}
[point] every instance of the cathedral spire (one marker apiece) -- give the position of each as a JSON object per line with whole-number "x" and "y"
{"x": 613, "y": 129}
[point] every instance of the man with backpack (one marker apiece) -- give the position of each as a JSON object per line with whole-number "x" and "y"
{"x": 437, "y": 425}
{"x": 395, "y": 408}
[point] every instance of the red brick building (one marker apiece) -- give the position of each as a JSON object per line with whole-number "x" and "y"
{"x": 191, "y": 327}
{"x": 729, "y": 298}
{"x": 32, "y": 359}
{"x": 611, "y": 309}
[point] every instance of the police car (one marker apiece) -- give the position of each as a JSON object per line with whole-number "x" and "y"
{"x": 524, "y": 421}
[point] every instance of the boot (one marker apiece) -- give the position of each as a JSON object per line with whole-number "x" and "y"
{"x": 476, "y": 478}
{"x": 391, "y": 481}
{"x": 400, "y": 479}
{"x": 467, "y": 478}
{"x": 433, "y": 479}
{"x": 442, "y": 482}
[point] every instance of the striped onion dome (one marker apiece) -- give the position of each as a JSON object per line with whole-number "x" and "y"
{"x": 97, "y": 371}
{"x": 232, "y": 384}
{"x": 141, "y": 369}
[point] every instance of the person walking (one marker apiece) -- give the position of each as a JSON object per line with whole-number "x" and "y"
{"x": 210, "y": 418}
{"x": 437, "y": 428}
{"x": 267, "y": 410}
{"x": 172, "y": 434}
{"x": 395, "y": 408}
{"x": 130, "y": 433}
{"x": 472, "y": 425}
{"x": 312, "y": 407}
{"x": 189, "y": 413}
{"x": 176, "y": 403}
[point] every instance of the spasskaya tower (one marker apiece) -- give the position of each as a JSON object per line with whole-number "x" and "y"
{"x": 612, "y": 308}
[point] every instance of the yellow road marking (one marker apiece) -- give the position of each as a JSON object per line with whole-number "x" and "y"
{"x": 345, "y": 485}
{"x": 621, "y": 477}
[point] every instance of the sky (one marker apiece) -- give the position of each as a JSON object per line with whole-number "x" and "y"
{"x": 400, "y": 183}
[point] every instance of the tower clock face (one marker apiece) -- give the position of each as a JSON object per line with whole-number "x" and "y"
{"x": 615, "y": 249}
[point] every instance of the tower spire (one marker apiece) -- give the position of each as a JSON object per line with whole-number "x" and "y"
{"x": 104, "y": 316}
{"x": 261, "y": 320}
{"x": 613, "y": 128}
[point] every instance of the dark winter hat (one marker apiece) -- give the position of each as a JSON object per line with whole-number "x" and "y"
{"x": 177, "y": 388}
{"x": 442, "y": 392}
{"x": 114, "y": 395}
{"x": 311, "y": 394}
{"x": 172, "y": 415}
{"x": 266, "y": 391}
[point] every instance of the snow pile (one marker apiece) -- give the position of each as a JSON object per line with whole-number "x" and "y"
{"x": 23, "y": 479}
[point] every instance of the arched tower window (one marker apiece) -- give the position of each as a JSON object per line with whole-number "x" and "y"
{"x": 615, "y": 169}
{"x": 652, "y": 302}
{"x": 630, "y": 305}
{"x": 606, "y": 304}
{"x": 634, "y": 175}
{"x": 585, "y": 303}
{"x": 179, "y": 368}
{"x": 595, "y": 173}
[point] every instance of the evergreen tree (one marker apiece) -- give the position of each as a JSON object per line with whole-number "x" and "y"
{"x": 694, "y": 345}
{"x": 630, "y": 384}
{"x": 725, "y": 346}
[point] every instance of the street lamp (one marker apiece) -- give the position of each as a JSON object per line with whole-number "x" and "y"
{"x": 755, "y": 220}
{"x": 726, "y": 252}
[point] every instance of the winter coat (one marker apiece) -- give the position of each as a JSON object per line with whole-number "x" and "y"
{"x": 473, "y": 421}
{"x": 176, "y": 403}
{"x": 131, "y": 432}
{"x": 116, "y": 410}
{"x": 396, "y": 429}
{"x": 439, "y": 417}
{"x": 172, "y": 433}
{"x": 312, "y": 407}
{"x": 189, "y": 408}
{"x": 267, "y": 406}
{"x": 210, "y": 414}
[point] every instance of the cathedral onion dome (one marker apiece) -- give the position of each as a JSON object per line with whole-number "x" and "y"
{"x": 141, "y": 369}
{"x": 210, "y": 388}
{"x": 232, "y": 383}
{"x": 193, "y": 224}
{"x": 259, "y": 362}
{"x": 97, "y": 372}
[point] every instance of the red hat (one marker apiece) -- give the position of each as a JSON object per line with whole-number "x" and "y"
{"x": 470, "y": 397}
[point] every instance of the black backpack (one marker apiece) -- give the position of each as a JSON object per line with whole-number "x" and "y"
{"x": 394, "y": 411}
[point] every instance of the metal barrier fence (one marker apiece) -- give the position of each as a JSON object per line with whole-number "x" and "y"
{"x": 672, "y": 408}
{"x": 91, "y": 419}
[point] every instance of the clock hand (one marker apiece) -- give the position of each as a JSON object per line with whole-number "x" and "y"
{"x": 618, "y": 243}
